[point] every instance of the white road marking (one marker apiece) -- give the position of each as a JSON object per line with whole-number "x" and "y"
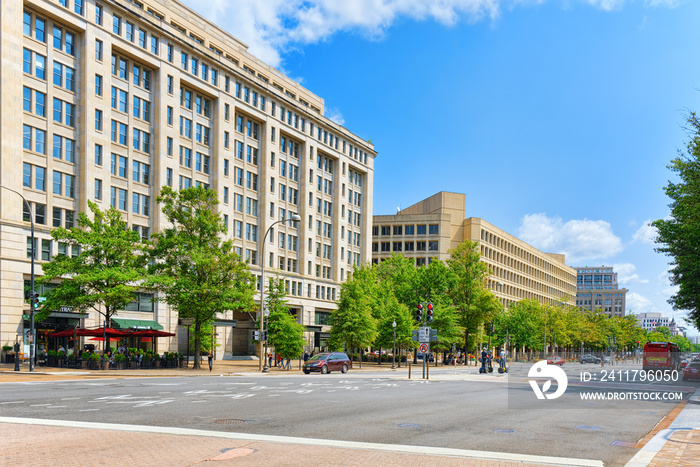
{"x": 426, "y": 450}
{"x": 70, "y": 398}
{"x": 89, "y": 410}
{"x": 12, "y": 402}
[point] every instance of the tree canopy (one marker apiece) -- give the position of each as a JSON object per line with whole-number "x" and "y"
{"x": 198, "y": 273}
{"x": 104, "y": 275}
{"x": 679, "y": 233}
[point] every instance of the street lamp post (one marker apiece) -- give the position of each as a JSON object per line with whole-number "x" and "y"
{"x": 263, "y": 359}
{"x": 545, "y": 334}
{"x": 393, "y": 353}
{"x": 31, "y": 293}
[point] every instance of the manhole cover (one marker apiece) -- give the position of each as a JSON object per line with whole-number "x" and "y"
{"x": 229, "y": 421}
{"x": 588, "y": 427}
{"x": 504, "y": 431}
{"x": 408, "y": 425}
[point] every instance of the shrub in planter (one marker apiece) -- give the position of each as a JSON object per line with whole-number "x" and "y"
{"x": 120, "y": 361}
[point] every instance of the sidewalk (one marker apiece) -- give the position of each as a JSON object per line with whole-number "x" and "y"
{"x": 674, "y": 442}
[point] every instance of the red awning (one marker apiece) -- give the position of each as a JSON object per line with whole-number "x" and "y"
{"x": 97, "y": 332}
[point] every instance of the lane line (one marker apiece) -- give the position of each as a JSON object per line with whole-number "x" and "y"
{"x": 427, "y": 450}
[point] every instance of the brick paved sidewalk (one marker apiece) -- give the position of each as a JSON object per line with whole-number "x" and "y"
{"x": 27, "y": 444}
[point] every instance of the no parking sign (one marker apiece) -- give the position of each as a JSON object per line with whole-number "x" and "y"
{"x": 424, "y": 347}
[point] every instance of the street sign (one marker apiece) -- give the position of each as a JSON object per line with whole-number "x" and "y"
{"x": 424, "y": 334}
{"x": 424, "y": 347}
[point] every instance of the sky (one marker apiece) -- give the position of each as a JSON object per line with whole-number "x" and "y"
{"x": 556, "y": 118}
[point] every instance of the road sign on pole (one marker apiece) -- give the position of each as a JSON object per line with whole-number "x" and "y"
{"x": 424, "y": 334}
{"x": 424, "y": 348}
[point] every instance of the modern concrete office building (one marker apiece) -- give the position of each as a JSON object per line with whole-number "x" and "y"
{"x": 109, "y": 100}
{"x": 429, "y": 229}
{"x": 597, "y": 288}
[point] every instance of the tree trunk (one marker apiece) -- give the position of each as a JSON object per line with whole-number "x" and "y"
{"x": 197, "y": 343}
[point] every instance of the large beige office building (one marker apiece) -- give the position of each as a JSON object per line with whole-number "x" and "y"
{"x": 110, "y": 100}
{"x": 429, "y": 229}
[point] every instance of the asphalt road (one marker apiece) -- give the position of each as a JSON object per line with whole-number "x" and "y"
{"x": 463, "y": 410}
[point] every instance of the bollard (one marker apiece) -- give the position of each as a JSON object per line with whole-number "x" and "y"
{"x": 409, "y": 371}
{"x": 16, "y": 347}
{"x": 427, "y": 371}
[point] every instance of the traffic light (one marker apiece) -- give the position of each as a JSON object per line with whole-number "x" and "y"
{"x": 34, "y": 299}
{"x": 419, "y": 312}
{"x": 430, "y": 312}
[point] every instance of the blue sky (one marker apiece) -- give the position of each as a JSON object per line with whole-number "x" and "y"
{"x": 556, "y": 118}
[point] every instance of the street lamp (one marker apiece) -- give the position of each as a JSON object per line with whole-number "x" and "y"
{"x": 31, "y": 293}
{"x": 393, "y": 353}
{"x": 293, "y": 218}
{"x": 545, "y": 333}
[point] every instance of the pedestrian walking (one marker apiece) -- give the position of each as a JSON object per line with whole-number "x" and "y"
{"x": 210, "y": 357}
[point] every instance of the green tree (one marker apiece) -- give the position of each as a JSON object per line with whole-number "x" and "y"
{"x": 198, "y": 273}
{"x": 467, "y": 291}
{"x": 683, "y": 343}
{"x": 664, "y": 331}
{"x": 523, "y": 322}
{"x": 655, "y": 336}
{"x": 353, "y": 322}
{"x": 284, "y": 333}
{"x": 104, "y": 275}
{"x": 679, "y": 234}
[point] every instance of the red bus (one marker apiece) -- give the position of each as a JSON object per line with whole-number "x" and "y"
{"x": 662, "y": 356}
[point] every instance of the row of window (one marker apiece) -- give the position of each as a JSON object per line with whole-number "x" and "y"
{"x": 405, "y": 246}
{"x": 419, "y": 229}
{"x": 45, "y": 253}
{"x": 141, "y": 140}
{"x": 35, "y": 26}
{"x": 141, "y": 76}
{"x": 61, "y": 217}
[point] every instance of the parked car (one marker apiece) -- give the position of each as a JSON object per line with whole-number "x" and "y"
{"x": 589, "y": 359}
{"x": 327, "y": 362}
{"x": 554, "y": 360}
{"x": 685, "y": 362}
{"x": 691, "y": 371}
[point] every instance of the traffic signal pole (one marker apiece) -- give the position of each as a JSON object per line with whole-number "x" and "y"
{"x": 422, "y": 320}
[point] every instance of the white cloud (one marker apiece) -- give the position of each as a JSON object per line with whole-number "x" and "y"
{"x": 645, "y": 234}
{"x": 334, "y": 115}
{"x": 626, "y": 274}
{"x": 579, "y": 240}
{"x": 273, "y": 27}
{"x": 639, "y": 304}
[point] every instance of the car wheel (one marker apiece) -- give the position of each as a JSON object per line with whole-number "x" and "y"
{"x": 306, "y": 372}
{"x": 685, "y": 379}
{"x": 344, "y": 369}
{"x": 324, "y": 370}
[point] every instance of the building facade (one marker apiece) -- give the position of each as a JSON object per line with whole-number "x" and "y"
{"x": 597, "y": 289}
{"x": 429, "y": 229}
{"x": 650, "y": 321}
{"x": 110, "y": 100}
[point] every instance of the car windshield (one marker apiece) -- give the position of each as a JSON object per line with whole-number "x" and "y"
{"x": 694, "y": 365}
{"x": 321, "y": 356}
